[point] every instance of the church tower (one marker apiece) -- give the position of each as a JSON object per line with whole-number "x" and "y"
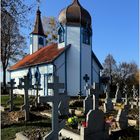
{"x": 75, "y": 29}
{"x": 37, "y": 37}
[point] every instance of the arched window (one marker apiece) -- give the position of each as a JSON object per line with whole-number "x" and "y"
{"x": 37, "y": 76}
{"x": 61, "y": 35}
{"x": 41, "y": 41}
{"x": 87, "y": 32}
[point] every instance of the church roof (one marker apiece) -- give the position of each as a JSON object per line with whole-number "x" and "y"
{"x": 45, "y": 55}
{"x": 38, "y": 28}
{"x": 75, "y": 15}
{"x": 96, "y": 60}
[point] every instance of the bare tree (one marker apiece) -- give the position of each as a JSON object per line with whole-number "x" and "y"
{"x": 12, "y": 43}
{"x": 110, "y": 68}
{"x": 13, "y": 15}
{"x": 50, "y": 25}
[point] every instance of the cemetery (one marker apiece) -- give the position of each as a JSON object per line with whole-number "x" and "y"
{"x": 57, "y": 91}
{"x": 79, "y": 118}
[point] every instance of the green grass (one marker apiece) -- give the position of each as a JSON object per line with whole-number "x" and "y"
{"x": 17, "y": 101}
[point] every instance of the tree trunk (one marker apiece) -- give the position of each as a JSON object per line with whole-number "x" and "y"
{"x": 4, "y": 80}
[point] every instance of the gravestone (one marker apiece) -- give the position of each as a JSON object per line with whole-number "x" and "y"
{"x": 96, "y": 91}
{"x": 59, "y": 100}
{"x": 89, "y": 103}
{"x": 95, "y": 128}
{"x": 24, "y": 83}
{"x": 108, "y": 105}
{"x": 11, "y": 88}
{"x": 122, "y": 117}
{"x": 118, "y": 96}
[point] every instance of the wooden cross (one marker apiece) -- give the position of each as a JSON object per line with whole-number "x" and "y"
{"x": 26, "y": 86}
{"x": 11, "y": 83}
{"x": 55, "y": 99}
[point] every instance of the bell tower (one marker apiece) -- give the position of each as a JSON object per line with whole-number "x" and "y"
{"x": 37, "y": 36}
{"x": 76, "y": 30}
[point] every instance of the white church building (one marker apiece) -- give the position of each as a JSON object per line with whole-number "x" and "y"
{"x": 71, "y": 58}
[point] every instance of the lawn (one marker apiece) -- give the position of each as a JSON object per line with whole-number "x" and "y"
{"x": 18, "y": 101}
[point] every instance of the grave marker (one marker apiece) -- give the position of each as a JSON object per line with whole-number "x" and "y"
{"x": 95, "y": 128}
{"x": 24, "y": 83}
{"x": 118, "y": 97}
{"x": 12, "y": 87}
{"x": 58, "y": 101}
{"x": 108, "y": 105}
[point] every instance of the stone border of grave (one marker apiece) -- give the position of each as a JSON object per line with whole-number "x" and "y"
{"x": 2, "y": 109}
{"x": 69, "y": 134}
{"x": 20, "y": 136}
{"x": 64, "y": 132}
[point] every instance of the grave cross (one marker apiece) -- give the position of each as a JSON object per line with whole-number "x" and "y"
{"x": 56, "y": 99}
{"x": 11, "y": 83}
{"x": 86, "y": 78}
{"x": 24, "y": 83}
{"x": 96, "y": 91}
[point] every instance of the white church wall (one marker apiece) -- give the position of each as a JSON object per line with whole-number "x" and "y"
{"x": 73, "y": 60}
{"x": 43, "y": 69}
{"x": 35, "y": 43}
{"x": 96, "y": 71}
{"x": 85, "y": 64}
{"x": 60, "y": 68}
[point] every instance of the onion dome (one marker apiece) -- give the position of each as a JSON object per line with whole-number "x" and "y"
{"x": 38, "y": 27}
{"x": 75, "y": 15}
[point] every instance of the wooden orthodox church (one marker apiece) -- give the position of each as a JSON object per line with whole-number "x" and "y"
{"x": 71, "y": 58}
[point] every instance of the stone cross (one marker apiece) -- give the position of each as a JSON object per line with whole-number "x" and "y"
{"x": 59, "y": 100}
{"x": 96, "y": 91}
{"x": 24, "y": 83}
{"x": 118, "y": 94}
{"x": 108, "y": 105}
{"x": 12, "y": 87}
{"x": 125, "y": 93}
{"x": 86, "y": 79}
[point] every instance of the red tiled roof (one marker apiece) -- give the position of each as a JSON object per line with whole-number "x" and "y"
{"x": 44, "y": 55}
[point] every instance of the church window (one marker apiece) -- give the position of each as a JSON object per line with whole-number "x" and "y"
{"x": 37, "y": 76}
{"x": 61, "y": 35}
{"x": 86, "y": 37}
{"x": 41, "y": 41}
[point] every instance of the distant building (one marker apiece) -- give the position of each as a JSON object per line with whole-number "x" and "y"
{"x": 71, "y": 58}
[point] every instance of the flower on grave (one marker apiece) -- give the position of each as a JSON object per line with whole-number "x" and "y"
{"x": 73, "y": 121}
{"x": 84, "y": 124}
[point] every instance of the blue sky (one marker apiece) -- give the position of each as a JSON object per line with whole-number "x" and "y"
{"x": 114, "y": 24}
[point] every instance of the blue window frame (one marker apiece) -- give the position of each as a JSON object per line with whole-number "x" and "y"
{"x": 61, "y": 35}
